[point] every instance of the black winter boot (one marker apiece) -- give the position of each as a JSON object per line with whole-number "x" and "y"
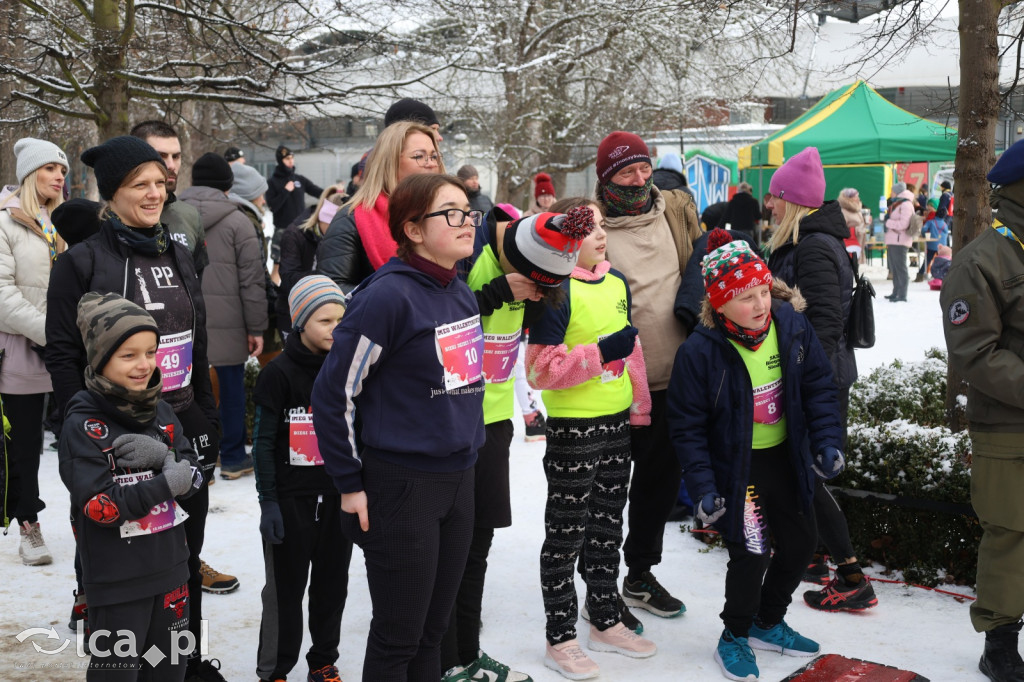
{"x": 1001, "y": 661}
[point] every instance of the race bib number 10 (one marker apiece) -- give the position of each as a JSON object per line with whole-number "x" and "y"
{"x": 460, "y": 348}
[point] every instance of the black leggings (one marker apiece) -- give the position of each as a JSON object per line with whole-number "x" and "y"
{"x": 24, "y": 446}
{"x": 758, "y": 582}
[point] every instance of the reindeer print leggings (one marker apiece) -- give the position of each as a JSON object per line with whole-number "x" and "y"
{"x": 587, "y": 467}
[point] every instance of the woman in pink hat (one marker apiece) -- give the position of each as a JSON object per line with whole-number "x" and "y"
{"x": 807, "y": 252}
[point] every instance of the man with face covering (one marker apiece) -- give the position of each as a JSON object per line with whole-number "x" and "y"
{"x": 650, "y": 239}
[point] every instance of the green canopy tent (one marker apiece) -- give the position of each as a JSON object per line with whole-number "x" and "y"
{"x": 860, "y": 135}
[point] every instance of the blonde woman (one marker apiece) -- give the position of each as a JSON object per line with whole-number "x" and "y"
{"x": 807, "y": 252}
{"x": 28, "y": 246}
{"x": 299, "y": 244}
{"x": 358, "y": 241}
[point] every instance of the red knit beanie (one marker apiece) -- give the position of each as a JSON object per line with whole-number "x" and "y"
{"x": 619, "y": 150}
{"x": 730, "y": 268}
{"x": 542, "y": 185}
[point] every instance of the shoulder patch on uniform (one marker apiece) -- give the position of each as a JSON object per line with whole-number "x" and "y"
{"x": 958, "y": 311}
{"x": 96, "y": 429}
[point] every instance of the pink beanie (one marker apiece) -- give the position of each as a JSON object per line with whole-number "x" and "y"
{"x": 801, "y": 180}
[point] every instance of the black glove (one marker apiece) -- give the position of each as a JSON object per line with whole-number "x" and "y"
{"x": 829, "y": 463}
{"x": 136, "y": 451}
{"x": 710, "y": 509}
{"x": 618, "y": 345}
{"x": 271, "y": 522}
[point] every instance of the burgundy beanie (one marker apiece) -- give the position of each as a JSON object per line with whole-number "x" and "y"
{"x": 542, "y": 185}
{"x": 800, "y": 180}
{"x": 618, "y": 150}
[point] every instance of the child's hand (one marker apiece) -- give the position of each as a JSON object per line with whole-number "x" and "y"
{"x": 523, "y": 288}
{"x": 618, "y": 345}
{"x": 178, "y": 474}
{"x": 710, "y": 509}
{"x": 829, "y": 463}
{"x": 135, "y": 451}
{"x": 355, "y": 503}
{"x": 271, "y": 522}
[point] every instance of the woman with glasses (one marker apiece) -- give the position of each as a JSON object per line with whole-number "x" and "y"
{"x": 409, "y": 350}
{"x": 358, "y": 241}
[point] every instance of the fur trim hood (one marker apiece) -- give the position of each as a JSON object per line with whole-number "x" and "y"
{"x": 852, "y": 204}
{"x": 781, "y": 292}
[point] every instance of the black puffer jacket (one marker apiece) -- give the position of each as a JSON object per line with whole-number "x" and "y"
{"x": 820, "y": 267}
{"x": 298, "y": 257}
{"x": 341, "y": 255}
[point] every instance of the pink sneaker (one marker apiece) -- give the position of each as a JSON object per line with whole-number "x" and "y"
{"x": 570, "y": 660}
{"x": 621, "y": 640}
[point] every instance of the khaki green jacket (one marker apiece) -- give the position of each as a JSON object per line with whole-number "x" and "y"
{"x": 982, "y": 302}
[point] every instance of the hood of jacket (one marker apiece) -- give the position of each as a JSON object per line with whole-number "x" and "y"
{"x": 780, "y": 292}
{"x": 213, "y": 205}
{"x": 668, "y": 178}
{"x": 828, "y": 219}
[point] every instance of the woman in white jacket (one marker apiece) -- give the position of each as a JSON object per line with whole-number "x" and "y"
{"x": 28, "y": 246}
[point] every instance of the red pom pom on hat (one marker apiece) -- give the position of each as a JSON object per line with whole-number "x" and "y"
{"x": 718, "y": 237}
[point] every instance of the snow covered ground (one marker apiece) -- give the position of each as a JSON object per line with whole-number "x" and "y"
{"x": 911, "y": 628}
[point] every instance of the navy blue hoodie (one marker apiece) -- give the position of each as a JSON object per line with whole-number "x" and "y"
{"x": 385, "y": 368}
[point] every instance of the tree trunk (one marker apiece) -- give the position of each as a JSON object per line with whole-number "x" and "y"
{"x": 109, "y": 54}
{"x": 978, "y": 110}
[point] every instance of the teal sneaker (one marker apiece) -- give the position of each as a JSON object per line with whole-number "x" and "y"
{"x": 736, "y": 658}
{"x": 487, "y": 669}
{"x": 783, "y": 639}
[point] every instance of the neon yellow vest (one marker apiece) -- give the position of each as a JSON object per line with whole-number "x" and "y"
{"x": 502, "y": 329}
{"x": 765, "y": 368}
{"x": 596, "y": 309}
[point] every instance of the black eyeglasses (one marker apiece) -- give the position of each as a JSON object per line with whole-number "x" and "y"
{"x": 457, "y": 217}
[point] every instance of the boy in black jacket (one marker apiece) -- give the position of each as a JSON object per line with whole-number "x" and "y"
{"x": 125, "y": 459}
{"x": 300, "y": 518}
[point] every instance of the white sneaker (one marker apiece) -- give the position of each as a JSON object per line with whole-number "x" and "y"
{"x": 619, "y": 639}
{"x": 570, "y": 660}
{"x": 33, "y": 550}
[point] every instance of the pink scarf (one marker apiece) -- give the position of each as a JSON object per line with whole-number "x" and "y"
{"x": 374, "y": 232}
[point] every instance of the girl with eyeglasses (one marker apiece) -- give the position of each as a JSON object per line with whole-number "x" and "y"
{"x": 358, "y": 241}
{"x": 405, "y": 375}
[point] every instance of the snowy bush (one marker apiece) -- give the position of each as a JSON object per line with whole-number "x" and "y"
{"x": 899, "y": 446}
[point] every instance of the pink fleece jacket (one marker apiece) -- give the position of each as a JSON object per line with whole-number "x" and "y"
{"x": 554, "y": 367}
{"x": 899, "y": 220}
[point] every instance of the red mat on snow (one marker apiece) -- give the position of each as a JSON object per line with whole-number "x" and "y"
{"x": 836, "y": 668}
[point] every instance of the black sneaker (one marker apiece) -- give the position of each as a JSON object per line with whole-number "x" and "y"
{"x": 536, "y": 426}
{"x": 817, "y": 571}
{"x": 204, "y": 671}
{"x": 647, "y": 593}
{"x": 838, "y": 596}
{"x": 626, "y": 617}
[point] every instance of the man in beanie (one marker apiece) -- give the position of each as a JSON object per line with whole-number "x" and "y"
{"x": 236, "y": 300}
{"x": 300, "y": 509}
{"x": 751, "y": 470}
{"x": 478, "y": 201}
{"x": 983, "y": 320}
{"x": 127, "y": 462}
{"x": 181, "y": 220}
{"x": 520, "y": 260}
{"x": 945, "y": 209}
{"x": 284, "y": 194}
{"x": 650, "y": 238}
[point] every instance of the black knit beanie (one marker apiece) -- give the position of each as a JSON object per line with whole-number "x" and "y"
{"x": 116, "y": 158}
{"x": 212, "y": 170}
{"x": 410, "y": 110}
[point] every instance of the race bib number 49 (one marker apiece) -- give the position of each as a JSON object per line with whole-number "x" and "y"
{"x": 174, "y": 358}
